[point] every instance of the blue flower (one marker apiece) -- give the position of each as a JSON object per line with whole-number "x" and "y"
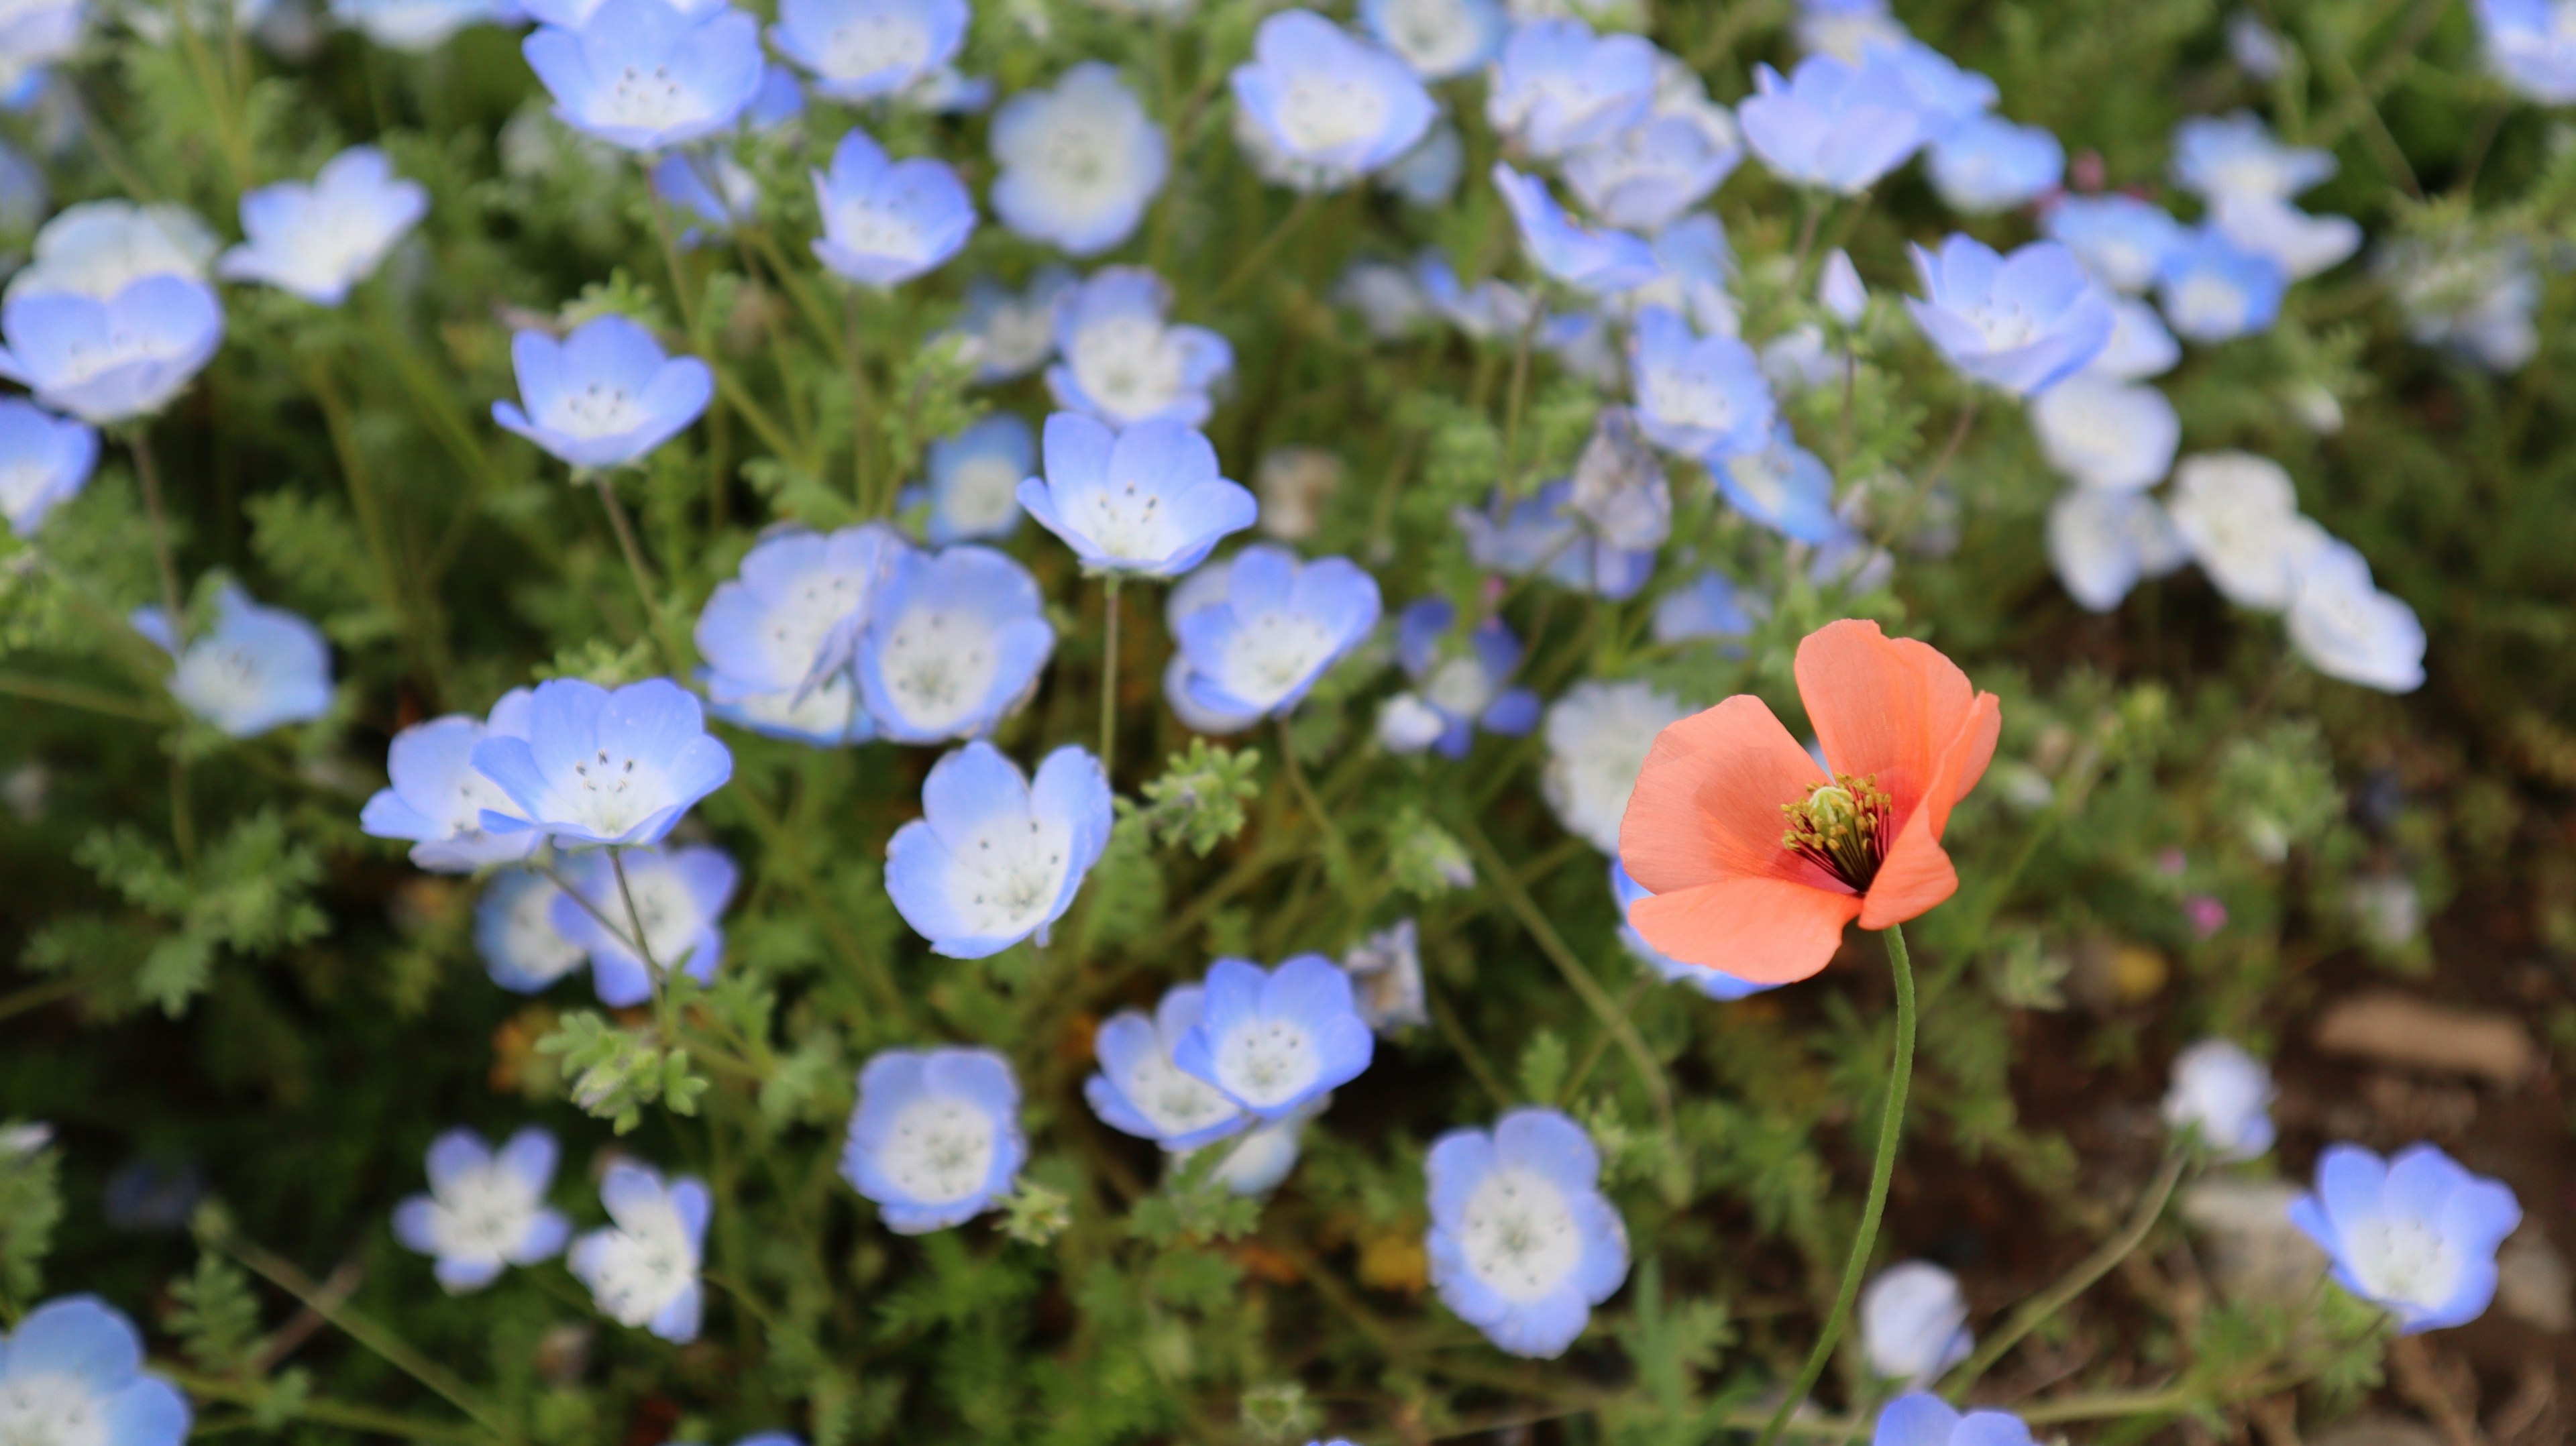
{"x": 1597, "y": 737}
{"x": 1543, "y": 533}
{"x": 1328, "y": 99}
{"x": 1147, "y": 500}
{"x": 2529, "y": 47}
{"x": 601, "y": 767}
{"x": 860, "y": 50}
{"x": 1123, "y": 363}
{"x": 412, "y": 26}
{"x": 935, "y": 1137}
{"x": 1427, "y": 176}
{"x": 1988, "y": 164}
{"x": 1558, "y": 86}
{"x": 886, "y": 222}
{"x": 113, "y": 359}
{"x": 680, "y": 895}
{"x": 484, "y": 1210}
{"x": 2103, "y": 432}
{"x": 995, "y": 858}
{"x": 1273, "y": 1040}
{"x": 1715, "y": 983}
{"x": 1523, "y": 1243}
{"x": 975, "y": 479}
{"x": 1913, "y": 1323}
{"x": 2020, "y": 322}
{"x": 98, "y": 248}
{"x": 711, "y": 186}
{"x": 1466, "y": 690}
{"x": 2347, "y": 628}
{"x": 1708, "y": 606}
{"x": 1830, "y": 124}
{"x": 1943, "y": 94}
{"x": 2214, "y": 290}
{"x": 45, "y": 460}
{"x": 1141, "y": 1092}
{"x": 1281, "y": 625}
{"x": 1259, "y": 1158}
{"x": 605, "y": 395}
{"x": 1079, "y": 163}
{"x": 514, "y": 931}
{"x": 34, "y": 36}
{"x": 1438, "y": 38}
{"x": 2102, "y": 543}
{"x": 2236, "y": 155}
{"x": 1650, "y": 173}
{"x": 2122, "y": 240}
{"x": 956, "y": 641}
{"x": 1924, "y": 1419}
{"x": 1697, "y": 396}
{"x": 1595, "y": 260}
{"x": 438, "y": 797}
{"x": 2414, "y": 1233}
{"x": 2222, "y": 1096}
{"x": 259, "y": 668}
{"x": 2300, "y": 244}
{"x": 642, "y": 1270}
{"x": 1010, "y": 334}
{"x": 643, "y": 75}
{"x": 24, "y": 196}
{"x": 73, "y": 1372}
{"x": 790, "y": 622}
{"x": 1697, "y": 265}
{"x": 319, "y": 240}
{"x": 2140, "y": 346}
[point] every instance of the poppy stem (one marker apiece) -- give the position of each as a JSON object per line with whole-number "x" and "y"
{"x": 1109, "y": 677}
{"x": 1891, "y": 1127}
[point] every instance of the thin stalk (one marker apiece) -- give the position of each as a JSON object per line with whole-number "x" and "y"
{"x": 364, "y": 1330}
{"x": 1922, "y": 494}
{"x": 72, "y": 695}
{"x": 2036, "y": 1310}
{"x": 138, "y": 441}
{"x": 394, "y": 588}
{"x": 645, "y": 587}
{"x": 1336, "y": 847}
{"x": 643, "y": 945}
{"x": 327, "y": 1413}
{"x": 37, "y": 996}
{"x": 1891, "y": 1128}
{"x": 1109, "y": 676}
{"x": 1260, "y": 254}
{"x": 862, "y": 409}
{"x": 681, "y": 296}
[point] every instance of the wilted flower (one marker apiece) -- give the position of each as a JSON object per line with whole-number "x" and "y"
{"x": 2223, "y": 1096}
{"x": 1832, "y": 125}
{"x": 1913, "y": 1322}
{"x": 2236, "y": 155}
{"x": 862, "y": 50}
{"x": 935, "y": 1139}
{"x": 1598, "y": 735}
{"x": 514, "y": 930}
{"x": 1596, "y": 260}
{"x": 1274, "y": 1040}
{"x": 604, "y": 767}
{"x": 1466, "y": 690}
{"x": 1988, "y": 164}
{"x": 1386, "y": 974}
{"x": 1523, "y": 1243}
{"x": 2347, "y": 628}
{"x": 1079, "y": 163}
{"x": 1438, "y": 38}
{"x": 884, "y": 221}
{"x": 1141, "y": 1092}
{"x": 679, "y": 896}
{"x": 2103, "y": 543}
{"x": 2415, "y": 1233}
{"x": 45, "y": 460}
{"x": 1147, "y": 500}
{"x": 995, "y": 858}
{"x": 319, "y": 240}
{"x": 1558, "y": 86}
{"x": 2104, "y": 433}
{"x": 72, "y": 1374}
{"x": 2022, "y": 322}
{"x": 642, "y": 1269}
{"x": 956, "y": 642}
{"x": 1327, "y": 99}
{"x": 643, "y": 75}
{"x": 1122, "y": 362}
{"x": 2120, "y": 239}
{"x": 2214, "y": 290}
{"x": 1906, "y": 738}
{"x": 258, "y": 669}
{"x": 485, "y": 1209}
{"x": 438, "y": 797}
{"x": 605, "y": 395}
{"x": 1280, "y": 625}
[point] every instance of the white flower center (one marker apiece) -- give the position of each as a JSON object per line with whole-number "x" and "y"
{"x": 645, "y": 98}
{"x": 2004, "y": 325}
{"x": 1519, "y": 1235}
{"x": 873, "y": 43}
{"x": 1077, "y": 158}
{"x": 1271, "y": 654}
{"x": 2403, "y": 1259}
{"x": 1268, "y": 1061}
{"x": 614, "y": 793}
{"x": 1762, "y": 477}
{"x": 1009, "y": 875}
{"x": 1459, "y": 687}
{"x": 481, "y": 1214}
{"x": 1125, "y": 521}
{"x": 1688, "y": 396}
{"x": 642, "y": 1265}
{"x": 800, "y": 623}
{"x": 983, "y": 494}
{"x": 1176, "y": 1103}
{"x": 530, "y": 940}
{"x": 220, "y": 679}
{"x": 1319, "y": 112}
{"x": 1127, "y": 364}
{"x": 825, "y": 708}
{"x": 940, "y": 668}
{"x": 50, "y": 1409}
{"x": 595, "y": 409}
{"x": 2208, "y": 304}
{"x": 1435, "y": 35}
{"x": 336, "y": 238}
{"x": 941, "y": 1149}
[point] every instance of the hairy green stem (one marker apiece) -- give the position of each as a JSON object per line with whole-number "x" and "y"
{"x": 1891, "y": 1128}
{"x": 364, "y": 1330}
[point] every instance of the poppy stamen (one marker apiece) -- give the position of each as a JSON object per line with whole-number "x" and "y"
{"x": 1842, "y": 828}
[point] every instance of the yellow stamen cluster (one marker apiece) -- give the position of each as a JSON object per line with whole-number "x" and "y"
{"x": 1842, "y": 828}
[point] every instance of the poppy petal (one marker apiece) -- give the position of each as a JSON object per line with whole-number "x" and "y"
{"x": 1882, "y": 706}
{"x": 1707, "y": 804}
{"x": 1770, "y": 931}
{"x": 1917, "y": 872}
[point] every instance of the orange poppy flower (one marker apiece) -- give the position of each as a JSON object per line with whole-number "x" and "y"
{"x": 1756, "y": 858}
